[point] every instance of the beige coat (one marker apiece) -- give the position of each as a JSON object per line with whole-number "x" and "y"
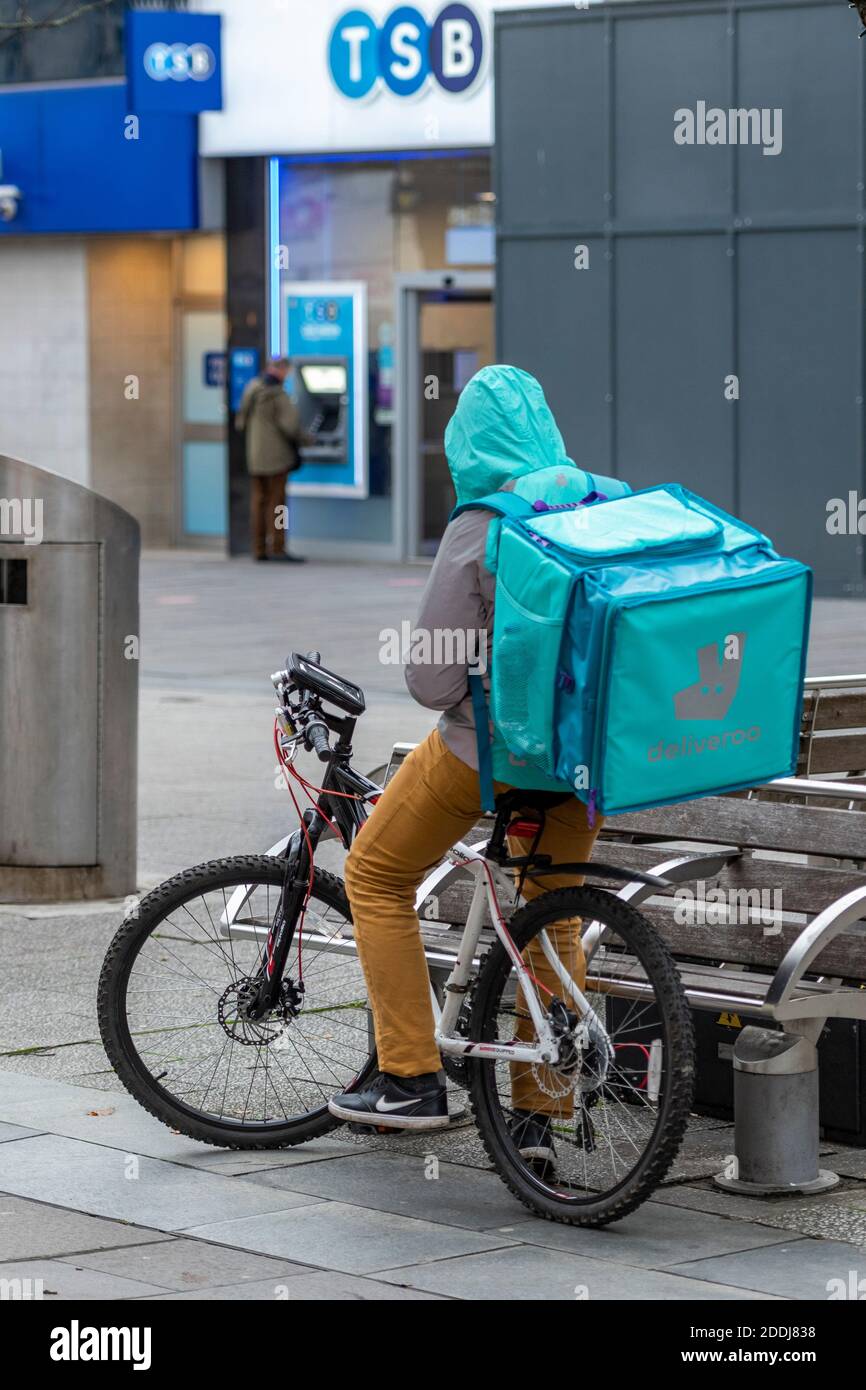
{"x": 273, "y": 428}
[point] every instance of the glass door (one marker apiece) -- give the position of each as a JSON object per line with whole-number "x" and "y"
{"x": 204, "y": 450}
{"x": 455, "y": 339}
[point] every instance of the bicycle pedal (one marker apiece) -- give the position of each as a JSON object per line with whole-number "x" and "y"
{"x": 367, "y": 1130}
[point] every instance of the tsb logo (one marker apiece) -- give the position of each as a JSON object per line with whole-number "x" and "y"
{"x": 405, "y": 50}
{"x": 179, "y": 62}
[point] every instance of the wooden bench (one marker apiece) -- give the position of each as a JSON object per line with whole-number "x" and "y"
{"x": 790, "y": 860}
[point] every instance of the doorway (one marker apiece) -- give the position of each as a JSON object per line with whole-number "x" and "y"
{"x": 203, "y": 332}
{"x": 445, "y": 333}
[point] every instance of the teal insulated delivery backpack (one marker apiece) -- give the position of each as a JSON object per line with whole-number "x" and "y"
{"x": 647, "y": 648}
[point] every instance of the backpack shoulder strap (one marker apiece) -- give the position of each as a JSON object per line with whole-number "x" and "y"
{"x": 502, "y": 503}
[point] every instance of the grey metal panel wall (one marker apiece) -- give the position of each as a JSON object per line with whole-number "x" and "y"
{"x": 673, "y": 327}
{"x": 566, "y": 177}
{"x": 704, "y": 261}
{"x": 555, "y": 316}
{"x": 661, "y": 64}
{"x": 801, "y": 368}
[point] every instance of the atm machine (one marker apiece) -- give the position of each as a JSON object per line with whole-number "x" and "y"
{"x": 321, "y": 392}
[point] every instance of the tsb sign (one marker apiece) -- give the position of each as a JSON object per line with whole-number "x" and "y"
{"x": 179, "y": 61}
{"x": 405, "y": 50}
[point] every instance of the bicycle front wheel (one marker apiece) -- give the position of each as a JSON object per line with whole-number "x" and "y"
{"x": 587, "y": 1141}
{"x": 170, "y": 1007}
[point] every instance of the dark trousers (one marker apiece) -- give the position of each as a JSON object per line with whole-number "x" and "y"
{"x": 267, "y": 494}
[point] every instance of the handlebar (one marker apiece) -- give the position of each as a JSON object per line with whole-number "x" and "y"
{"x": 306, "y": 716}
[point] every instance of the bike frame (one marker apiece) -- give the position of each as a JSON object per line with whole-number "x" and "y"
{"x": 348, "y": 814}
{"x": 488, "y": 876}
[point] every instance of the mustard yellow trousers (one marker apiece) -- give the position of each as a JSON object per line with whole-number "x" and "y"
{"x": 431, "y": 802}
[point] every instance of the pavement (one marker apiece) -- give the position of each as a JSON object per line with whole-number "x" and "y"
{"x": 98, "y": 1200}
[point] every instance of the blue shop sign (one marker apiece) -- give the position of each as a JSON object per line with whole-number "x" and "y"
{"x": 173, "y": 61}
{"x": 214, "y": 369}
{"x": 244, "y": 365}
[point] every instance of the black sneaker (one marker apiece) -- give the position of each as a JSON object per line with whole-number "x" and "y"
{"x": 396, "y": 1102}
{"x": 532, "y": 1134}
{"x": 285, "y": 558}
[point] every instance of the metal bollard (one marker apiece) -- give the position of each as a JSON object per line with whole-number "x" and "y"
{"x": 776, "y": 1124}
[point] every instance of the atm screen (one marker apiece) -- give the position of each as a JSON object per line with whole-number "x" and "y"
{"x": 322, "y": 380}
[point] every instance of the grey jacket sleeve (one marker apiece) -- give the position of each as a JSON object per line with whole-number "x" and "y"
{"x": 451, "y": 625}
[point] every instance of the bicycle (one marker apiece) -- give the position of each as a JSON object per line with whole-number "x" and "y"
{"x": 232, "y": 1004}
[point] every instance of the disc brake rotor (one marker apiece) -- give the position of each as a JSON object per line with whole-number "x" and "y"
{"x": 248, "y": 1032}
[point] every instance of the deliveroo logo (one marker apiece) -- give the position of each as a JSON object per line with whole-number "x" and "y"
{"x": 713, "y": 692}
{"x": 710, "y": 697}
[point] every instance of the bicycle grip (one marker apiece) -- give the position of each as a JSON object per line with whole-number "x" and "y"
{"x": 318, "y": 735}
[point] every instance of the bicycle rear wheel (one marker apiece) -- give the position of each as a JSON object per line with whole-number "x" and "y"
{"x": 612, "y": 1122}
{"x": 168, "y": 1006}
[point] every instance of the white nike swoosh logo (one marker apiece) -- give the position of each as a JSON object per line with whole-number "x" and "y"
{"x": 382, "y": 1104}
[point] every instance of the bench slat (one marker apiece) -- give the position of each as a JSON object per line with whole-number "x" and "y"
{"x": 804, "y": 888}
{"x": 832, "y": 753}
{"x": 752, "y": 823}
{"x": 836, "y": 709}
{"x": 747, "y": 944}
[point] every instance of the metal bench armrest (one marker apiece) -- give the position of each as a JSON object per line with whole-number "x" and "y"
{"x": 829, "y": 924}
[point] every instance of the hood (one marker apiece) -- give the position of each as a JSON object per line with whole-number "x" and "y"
{"x": 502, "y": 429}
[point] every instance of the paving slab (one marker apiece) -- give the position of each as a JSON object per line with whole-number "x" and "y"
{"x": 798, "y": 1269}
{"x": 703, "y": 1152}
{"x": 88, "y": 1113}
{"x": 93, "y": 1178}
{"x": 356, "y": 1240}
{"x": 61, "y": 1281}
{"x": 654, "y": 1236}
{"x": 8, "y": 1132}
{"x": 835, "y": 1215}
{"x": 234, "y": 1163}
{"x": 460, "y": 1143}
{"x": 17, "y": 1089}
{"x": 423, "y": 1187}
{"x": 528, "y": 1272}
{"x": 188, "y": 1265}
{"x": 118, "y": 1121}
{"x": 38, "y": 912}
{"x": 324, "y": 1287}
{"x": 31, "y": 1229}
{"x": 848, "y": 1162}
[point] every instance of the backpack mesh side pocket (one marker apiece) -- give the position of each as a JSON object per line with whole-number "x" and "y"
{"x": 527, "y": 637}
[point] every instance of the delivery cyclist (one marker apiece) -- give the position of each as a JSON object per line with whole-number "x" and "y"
{"x": 502, "y": 435}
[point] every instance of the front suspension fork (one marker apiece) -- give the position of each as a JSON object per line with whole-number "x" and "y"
{"x": 296, "y": 882}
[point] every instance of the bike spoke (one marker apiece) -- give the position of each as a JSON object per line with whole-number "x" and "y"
{"x": 595, "y": 1115}
{"x": 214, "y": 1062}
